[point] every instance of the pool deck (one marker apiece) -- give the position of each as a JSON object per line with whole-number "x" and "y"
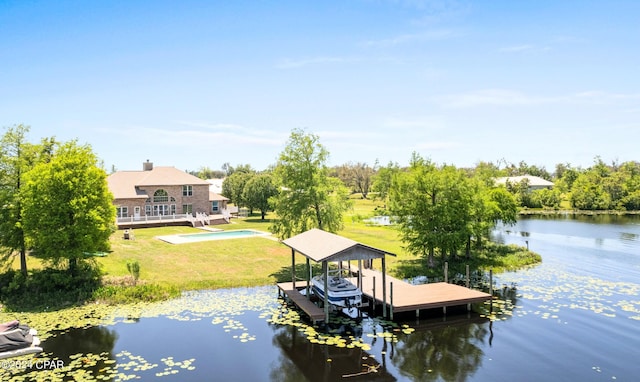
{"x": 209, "y": 236}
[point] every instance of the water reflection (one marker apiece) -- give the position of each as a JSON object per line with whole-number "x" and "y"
{"x": 450, "y": 351}
{"x": 95, "y": 340}
{"x": 302, "y": 360}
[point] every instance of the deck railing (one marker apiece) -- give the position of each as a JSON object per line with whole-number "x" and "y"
{"x": 154, "y": 218}
{"x": 200, "y": 217}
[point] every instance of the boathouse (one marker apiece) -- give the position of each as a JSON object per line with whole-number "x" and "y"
{"x": 397, "y": 295}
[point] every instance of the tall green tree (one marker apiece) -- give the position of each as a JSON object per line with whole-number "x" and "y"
{"x": 383, "y": 178}
{"x": 67, "y": 206}
{"x": 17, "y": 156}
{"x": 433, "y": 208}
{"x": 257, "y": 192}
{"x": 233, "y": 187}
{"x": 309, "y": 198}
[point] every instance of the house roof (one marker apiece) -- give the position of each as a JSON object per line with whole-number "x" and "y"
{"x": 320, "y": 246}
{"x": 124, "y": 184}
{"x": 216, "y": 197}
{"x": 534, "y": 181}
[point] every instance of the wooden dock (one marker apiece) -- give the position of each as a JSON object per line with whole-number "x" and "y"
{"x": 314, "y": 312}
{"x": 404, "y": 297}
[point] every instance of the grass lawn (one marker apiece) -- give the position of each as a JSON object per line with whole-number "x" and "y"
{"x": 202, "y": 265}
{"x": 243, "y": 262}
{"x": 233, "y": 262}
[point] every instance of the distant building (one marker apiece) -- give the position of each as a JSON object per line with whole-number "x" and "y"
{"x": 163, "y": 196}
{"x": 535, "y": 182}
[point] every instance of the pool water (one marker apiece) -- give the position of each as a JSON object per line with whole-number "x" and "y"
{"x": 218, "y": 235}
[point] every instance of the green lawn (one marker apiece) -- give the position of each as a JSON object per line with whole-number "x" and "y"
{"x": 241, "y": 262}
{"x": 207, "y": 264}
{"x": 234, "y": 262}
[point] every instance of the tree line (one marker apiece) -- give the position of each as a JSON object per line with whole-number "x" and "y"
{"x": 440, "y": 210}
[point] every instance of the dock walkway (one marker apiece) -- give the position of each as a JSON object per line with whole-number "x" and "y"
{"x": 407, "y": 297}
{"x": 314, "y": 312}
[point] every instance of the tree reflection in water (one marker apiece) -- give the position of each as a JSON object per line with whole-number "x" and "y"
{"x": 91, "y": 340}
{"x": 447, "y": 350}
{"x": 303, "y": 360}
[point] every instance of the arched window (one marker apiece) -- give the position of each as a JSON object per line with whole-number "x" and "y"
{"x": 160, "y": 196}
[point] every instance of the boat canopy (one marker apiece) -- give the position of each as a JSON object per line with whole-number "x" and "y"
{"x": 321, "y": 246}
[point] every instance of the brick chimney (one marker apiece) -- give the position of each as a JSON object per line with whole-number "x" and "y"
{"x": 147, "y": 166}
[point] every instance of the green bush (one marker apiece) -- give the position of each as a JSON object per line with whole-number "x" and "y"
{"x": 48, "y": 289}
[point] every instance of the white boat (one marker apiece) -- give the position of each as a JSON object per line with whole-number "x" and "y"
{"x": 342, "y": 292}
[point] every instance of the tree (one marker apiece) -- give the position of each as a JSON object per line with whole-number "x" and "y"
{"x": 309, "y": 198}
{"x": 588, "y": 193}
{"x": 491, "y": 205}
{"x": 257, "y": 192}
{"x": 67, "y": 206}
{"x": 383, "y": 179}
{"x": 207, "y": 173}
{"x": 433, "y": 207}
{"x": 233, "y": 187}
{"x": 16, "y": 157}
{"x": 230, "y": 170}
{"x": 356, "y": 176}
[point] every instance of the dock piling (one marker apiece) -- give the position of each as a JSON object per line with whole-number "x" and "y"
{"x": 446, "y": 271}
{"x": 391, "y": 300}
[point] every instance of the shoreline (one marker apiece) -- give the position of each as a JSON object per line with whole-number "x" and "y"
{"x": 576, "y": 212}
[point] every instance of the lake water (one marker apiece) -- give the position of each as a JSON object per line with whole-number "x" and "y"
{"x": 574, "y": 317}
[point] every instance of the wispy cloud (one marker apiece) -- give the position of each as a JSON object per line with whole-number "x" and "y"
{"x": 420, "y": 123}
{"x": 497, "y": 97}
{"x": 517, "y": 48}
{"x": 352, "y": 134}
{"x": 289, "y": 63}
{"x": 430, "y": 35}
{"x": 197, "y": 134}
{"x": 522, "y": 48}
{"x": 437, "y": 145}
{"x": 505, "y": 97}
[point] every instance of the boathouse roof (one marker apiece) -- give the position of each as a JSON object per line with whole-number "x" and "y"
{"x": 319, "y": 246}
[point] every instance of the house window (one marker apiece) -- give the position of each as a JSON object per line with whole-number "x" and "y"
{"x": 187, "y": 190}
{"x": 147, "y": 210}
{"x": 214, "y": 206}
{"x": 187, "y": 208}
{"x": 122, "y": 212}
{"x": 160, "y": 196}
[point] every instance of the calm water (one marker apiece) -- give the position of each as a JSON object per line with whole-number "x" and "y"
{"x": 574, "y": 317}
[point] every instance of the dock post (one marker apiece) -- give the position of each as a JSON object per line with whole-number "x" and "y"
{"x": 467, "y": 268}
{"x": 467, "y": 283}
{"x": 384, "y": 288}
{"x": 373, "y": 304}
{"x": 308, "y": 279}
{"x": 391, "y": 300}
{"x": 491, "y": 289}
{"x": 293, "y": 267}
{"x": 360, "y": 274}
{"x": 446, "y": 271}
{"x": 325, "y": 271}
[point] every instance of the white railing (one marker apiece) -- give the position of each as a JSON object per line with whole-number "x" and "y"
{"x": 200, "y": 217}
{"x": 154, "y": 218}
{"x": 203, "y": 218}
{"x": 226, "y": 215}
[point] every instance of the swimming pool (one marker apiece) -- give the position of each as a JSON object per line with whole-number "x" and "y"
{"x": 207, "y": 236}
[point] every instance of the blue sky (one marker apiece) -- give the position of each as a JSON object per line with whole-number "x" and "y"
{"x": 199, "y": 83}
